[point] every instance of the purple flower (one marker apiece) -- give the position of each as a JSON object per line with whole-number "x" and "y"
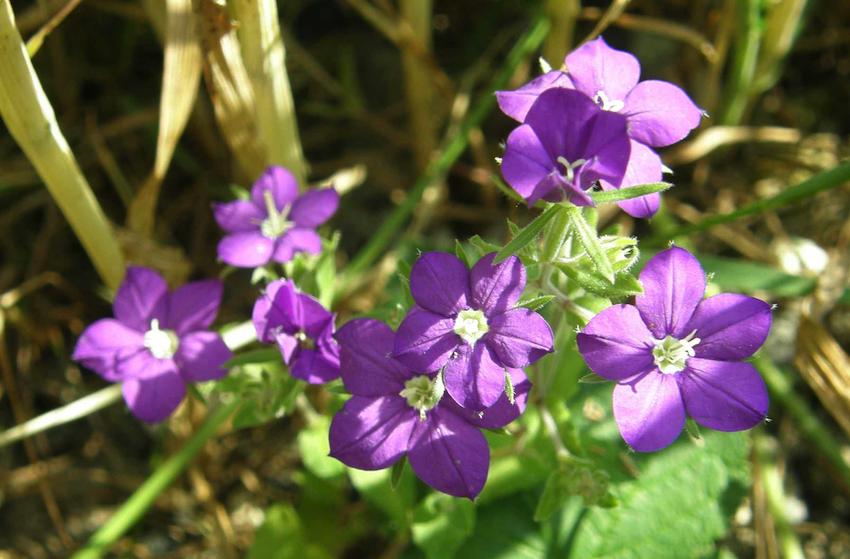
{"x": 465, "y": 321}
{"x": 658, "y": 113}
{"x": 302, "y": 328}
{"x": 675, "y": 353}
{"x": 157, "y": 342}
{"x": 275, "y": 223}
{"x": 396, "y": 410}
{"x": 566, "y": 144}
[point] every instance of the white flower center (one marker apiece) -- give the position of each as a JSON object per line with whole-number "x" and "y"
{"x": 304, "y": 341}
{"x": 570, "y": 168}
{"x": 672, "y": 354}
{"x": 275, "y": 224}
{"x": 422, "y": 393}
{"x": 162, "y": 344}
{"x": 470, "y": 325}
{"x": 613, "y": 105}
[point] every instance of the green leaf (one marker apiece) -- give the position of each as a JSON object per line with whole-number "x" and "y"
{"x": 282, "y": 537}
{"x": 461, "y": 254}
{"x": 555, "y": 494}
{"x": 625, "y": 285}
{"x": 535, "y": 302}
{"x": 483, "y": 247}
{"x": 314, "y": 448}
{"x": 588, "y": 238}
{"x": 397, "y": 471}
{"x": 505, "y": 530}
{"x": 265, "y": 355}
{"x": 527, "y": 234}
{"x": 677, "y": 507}
{"x": 376, "y": 489}
{"x": 608, "y": 196}
{"x": 441, "y": 524}
{"x": 326, "y": 272}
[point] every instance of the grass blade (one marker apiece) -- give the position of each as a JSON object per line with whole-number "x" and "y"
{"x": 607, "y": 196}
{"x": 528, "y": 233}
{"x": 31, "y": 121}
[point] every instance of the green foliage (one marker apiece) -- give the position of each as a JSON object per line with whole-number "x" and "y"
{"x": 441, "y": 524}
{"x": 314, "y": 448}
{"x": 262, "y": 386}
{"x": 527, "y": 234}
{"x": 618, "y": 195}
{"x": 282, "y": 537}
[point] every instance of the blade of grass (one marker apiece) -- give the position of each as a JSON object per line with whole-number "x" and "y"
{"x": 618, "y": 195}
{"x": 34, "y": 43}
{"x": 827, "y": 180}
{"x": 529, "y": 232}
{"x": 814, "y": 432}
{"x": 31, "y": 121}
{"x": 438, "y": 168}
{"x": 749, "y": 33}
{"x": 265, "y": 60}
{"x": 180, "y": 77}
{"x": 139, "y": 502}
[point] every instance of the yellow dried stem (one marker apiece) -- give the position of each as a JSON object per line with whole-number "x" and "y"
{"x": 826, "y": 368}
{"x": 265, "y": 60}
{"x": 31, "y": 121}
{"x": 229, "y": 88}
{"x": 419, "y": 87}
{"x": 181, "y": 73}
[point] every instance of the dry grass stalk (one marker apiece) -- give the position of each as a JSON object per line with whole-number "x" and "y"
{"x": 265, "y": 60}
{"x": 229, "y": 88}
{"x": 31, "y": 121}
{"x": 826, "y": 368}
{"x": 181, "y": 73}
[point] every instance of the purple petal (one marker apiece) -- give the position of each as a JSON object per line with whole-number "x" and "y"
{"x": 105, "y": 343}
{"x": 673, "y": 286}
{"x": 194, "y": 306}
{"x": 424, "y": 340}
{"x": 314, "y": 207}
{"x": 295, "y": 240}
{"x": 439, "y": 282}
{"x": 616, "y": 345}
{"x": 247, "y": 249}
{"x": 201, "y": 356}
{"x": 644, "y": 167}
{"x": 722, "y": 395}
{"x": 154, "y": 398}
{"x": 730, "y": 326}
{"x": 562, "y": 119}
{"x": 496, "y": 289}
{"x": 371, "y": 434}
{"x": 314, "y": 366}
{"x": 526, "y": 164}
{"x": 239, "y": 215}
{"x": 473, "y": 378}
{"x": 449, "y": 454}
{"x": 606, "y": 148}
{"x": 516, "y": 103}
{"x": 649, "y": 411}
{"x": 280, "y": 182}
{"x": 660, "y": 113}
{"x": 283, "y": 306}
{"x": 140, "y": 298}
{"x": 141, "y": 364}
{"x": 366, "y": 362}
{"x": 503, "y": 411}
{"x": 519, "y": 337}
{"x": 595, "y": 67}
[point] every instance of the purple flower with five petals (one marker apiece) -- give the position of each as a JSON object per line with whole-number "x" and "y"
{"x": 465, "y": 323}
{"x": 302, "y": 328}
{"x": 658, "y": 113}
{"x": 275, "y": 222}
{"x": 566, "y": 144}
{"x": 157, "y": 343}
{"x": 674, "y": 353}
{"x": 396, "y": 410}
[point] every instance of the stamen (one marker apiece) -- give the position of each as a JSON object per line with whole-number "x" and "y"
{"x": 275, "y": 224}
{"x": 162, "y": 344}
{"x": 569, "y": 168}
{"x": 671, "y": 354}
{"x": 613, "y": 105}
{"x": 471, "y": 325}
{"x": 422, "y": 393}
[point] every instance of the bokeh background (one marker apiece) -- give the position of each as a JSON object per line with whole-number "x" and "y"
{"x": 381, "y": 88}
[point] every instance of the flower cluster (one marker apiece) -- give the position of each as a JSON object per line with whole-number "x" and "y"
{"x": 452, "y": 368}
{"x": 593, "y": 123}
{"x": 674, "y": 353}
{"x": 157, "y": 343}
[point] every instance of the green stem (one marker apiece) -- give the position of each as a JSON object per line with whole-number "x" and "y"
{"x": 746, "y": 58}
{"x": 765, "y": 454}
{"x": 824, "y": 181}
{"x": 436, "y": 170}
{"x": 137, "y": 505}
{"x": 805, "y": 420}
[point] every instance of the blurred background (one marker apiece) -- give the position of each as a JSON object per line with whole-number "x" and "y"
{"x": 381, "y": 89}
